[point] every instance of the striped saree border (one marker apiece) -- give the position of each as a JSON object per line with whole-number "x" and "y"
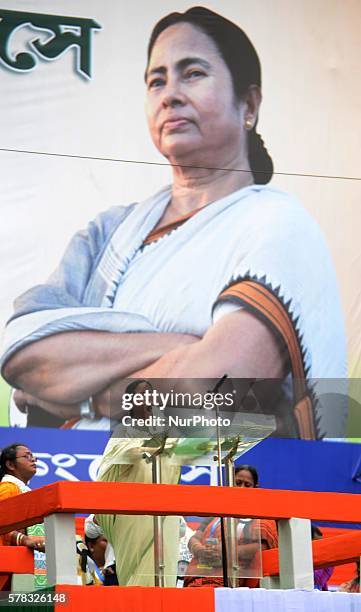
{"x": 259, "y": 299}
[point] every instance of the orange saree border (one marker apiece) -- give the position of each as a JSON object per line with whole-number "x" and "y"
{"x": 262, "y": 300}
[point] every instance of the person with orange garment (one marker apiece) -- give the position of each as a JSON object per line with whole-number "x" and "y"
{"x": 17, "y": 467}
{"x": 205, "y": 545}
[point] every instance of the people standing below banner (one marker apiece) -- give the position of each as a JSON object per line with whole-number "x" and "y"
{"x": 206, "y": 569}
{"x": 100, "y": 550}
{"x": 17, "y": 467}
{"x": 89, "y": 573}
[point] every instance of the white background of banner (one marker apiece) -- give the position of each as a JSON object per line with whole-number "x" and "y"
{"x": 310, "y": 120}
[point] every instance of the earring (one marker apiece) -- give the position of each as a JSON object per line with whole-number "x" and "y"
{"x": 248, "y": 124}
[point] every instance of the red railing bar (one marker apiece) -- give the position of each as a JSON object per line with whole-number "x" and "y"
{"x": 136, "y": 498}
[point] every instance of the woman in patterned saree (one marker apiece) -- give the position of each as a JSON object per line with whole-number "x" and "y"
{"x": 17, "y": 467}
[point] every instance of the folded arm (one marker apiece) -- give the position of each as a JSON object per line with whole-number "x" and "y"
{"x": 239, "y": 345}
{"x": 69, "y": 367}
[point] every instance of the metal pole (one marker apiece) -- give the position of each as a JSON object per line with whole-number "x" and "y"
{"x": 229, "y": 465}
{"x": 231, "y": 528}
{"x": 159, "y": 578}
{"x": 220, "y": 483}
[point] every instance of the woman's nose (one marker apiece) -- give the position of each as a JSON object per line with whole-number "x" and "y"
{"x": 173, "y": 95}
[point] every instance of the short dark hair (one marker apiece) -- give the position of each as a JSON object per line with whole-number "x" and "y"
{"x": 252, "y": 470}
{"x": 242, "y": 60}
{"x": 8, "y": 454}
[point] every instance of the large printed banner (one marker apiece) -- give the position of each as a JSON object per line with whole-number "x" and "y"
{"x": 295, "y": 464}
{"x": 76, "y": 455}
{"x": 74, "y": 141}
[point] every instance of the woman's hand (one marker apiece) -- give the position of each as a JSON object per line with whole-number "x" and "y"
{"x": 63, "y": 411}
{"x": 210, "y": 554}
{"x": 34, "y": 542}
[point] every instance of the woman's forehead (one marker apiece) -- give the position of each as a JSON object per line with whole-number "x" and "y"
{"x": 244, "y": 474}
{"x": 23, "y": 449}
{"x": 179, "y": 41}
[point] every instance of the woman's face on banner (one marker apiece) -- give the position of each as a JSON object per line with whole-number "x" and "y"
{"x": 191, "y": 107}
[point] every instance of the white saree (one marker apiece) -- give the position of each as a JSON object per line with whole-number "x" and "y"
{"x": 106, "y": 281}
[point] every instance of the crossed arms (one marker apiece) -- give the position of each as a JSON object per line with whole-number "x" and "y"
{"x": 58, "y": 372}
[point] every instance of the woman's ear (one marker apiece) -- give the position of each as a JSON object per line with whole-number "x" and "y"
{"x": 252, "y": 102}
{"x": 10, "y": 465}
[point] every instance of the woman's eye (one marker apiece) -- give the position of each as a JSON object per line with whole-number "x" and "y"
{"x": 192, "y": 74}
{"x": 154, "y": 83}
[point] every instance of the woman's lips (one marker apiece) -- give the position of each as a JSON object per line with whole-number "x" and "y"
{"x": 171, "y": 125}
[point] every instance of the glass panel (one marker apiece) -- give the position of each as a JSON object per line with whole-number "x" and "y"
{"x": 151, "y": 447}
{"x": 197, "y": 557}
{"x": 238, "y": 548}
{"x": 135, "y": 543}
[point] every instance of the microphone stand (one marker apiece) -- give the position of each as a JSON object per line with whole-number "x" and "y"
{"x": 220, "y": 480}
{"x": 228, "y": 581}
